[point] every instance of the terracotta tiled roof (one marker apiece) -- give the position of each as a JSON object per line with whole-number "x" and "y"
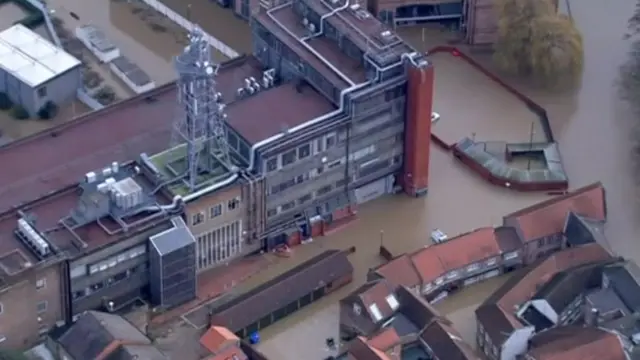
{"x": 385, "y": 340}
{"x": 426, "y": 265}
{"x": 497, "y": 314}
{"x": 576, "y": 343}
{"x": 359, "y": 349}
{"x": 230, "y": 353}
{"x": 548, "y": 217}
{"x": 400, "y": 271}
{"x": 218, "y": 338}
{"x": 468, "y": 248}
{"x": 377, "y": 296}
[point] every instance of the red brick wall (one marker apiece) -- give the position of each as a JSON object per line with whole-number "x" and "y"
{"x": 420, "y": 89}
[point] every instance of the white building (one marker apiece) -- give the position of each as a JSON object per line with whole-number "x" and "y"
{"x": 33, "y": 71}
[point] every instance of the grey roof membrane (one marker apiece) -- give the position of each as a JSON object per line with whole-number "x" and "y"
{"x": 131, "y": 71}
{"x": 500, "y": 169}
{"x": 172, "y": 239}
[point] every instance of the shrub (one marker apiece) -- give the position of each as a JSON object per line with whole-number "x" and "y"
{"x": 5, "y": 101}
{"x": 19, "y": 112}
{"x": 48, "y": 111}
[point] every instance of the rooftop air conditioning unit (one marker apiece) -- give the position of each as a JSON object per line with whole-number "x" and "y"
{"x": 355, "y": 7}
{"x": 386, "y": 34}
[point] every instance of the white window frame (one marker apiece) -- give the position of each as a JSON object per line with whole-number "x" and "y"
{"x": 510, "y": 255}
{"x": 44, "y": 310}
{"x": 452, "y": 274}
{"x": 41, "y": 284}
{"x": 439, "y": 281}
{"x": 492, "y": 261}
{"x": 473, "y": 267}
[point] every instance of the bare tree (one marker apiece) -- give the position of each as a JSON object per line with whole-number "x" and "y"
{"x": 534, "y": 41}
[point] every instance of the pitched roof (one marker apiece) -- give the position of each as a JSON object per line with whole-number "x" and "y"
{"x": 359, "y": 349}
{"x": 385, "y": 340}
{"x": 101, "y": 334}
{"x": 576, "y": 343}
{"x": 548, "y": 217}
{"x": 468, "y": 248}
{"x": 400, "y": 271}
{"x": 217, "y": 338}
{"x": 378, "y": 301}
{"x": 580, "y": 230}
{"x": 446, "y": 343}
{"x": 427, "y": 264}
{"x": 625, "y": 286}
{"x": 230, "y": 353}
{"x": 496, "y": 314}
{"x": 290, "y": 286}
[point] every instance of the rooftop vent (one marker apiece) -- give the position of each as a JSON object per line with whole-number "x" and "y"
{"x": 127, "y": 193}
{"x": 355, "y": 7}
{"x": 386, "y": 34}
{"x": 32, "y": 239}
{"x": 362, "y": 14}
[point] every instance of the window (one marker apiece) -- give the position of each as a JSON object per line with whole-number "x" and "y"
{"x": 375, "y": 312}
{"x": 491, "y": 262}
{"x": 452, "y": 275}
{"x": 330, "y": 142}
{"x": 324, "y": 190}
{"x": 511, "y": 255}
{"x": 473, "y": 267}
{"x": 41, "y": 284}
{"x": 215, "y": 210}
{"x": 319, "y": 146}
{"x": 197, "y": 218}
{"x": 42, "y": 307}
{"x": 233, "y": 203}
{"x": 288, "y": 158}
{"x": 78, "y": 271}
{"x": 426, "y": 288}
{"x": 42, "y": 92}
{"x": 288, "y": 206}
{"x": 334, "y": 164}
{"x": 393, "y": 302}
{"x": 304, "y": 199}
{"x": 304, "y": 151}
{"x": 272, "y": 212}
{"x": 439, "y": 281}
{"x": 272, "y": 164}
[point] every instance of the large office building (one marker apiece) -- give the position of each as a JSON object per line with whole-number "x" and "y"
{"x": 331, "y": 110}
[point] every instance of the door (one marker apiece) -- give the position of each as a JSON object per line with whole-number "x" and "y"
{"x": 371, "y": 191}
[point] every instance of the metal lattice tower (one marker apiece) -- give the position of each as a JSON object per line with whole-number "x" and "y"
{"x": 200, "y": 117}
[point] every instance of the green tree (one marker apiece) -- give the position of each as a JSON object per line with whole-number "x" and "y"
{"x": 534, "y": 41}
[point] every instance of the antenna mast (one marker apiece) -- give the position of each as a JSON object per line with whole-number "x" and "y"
{"x": 200, "y": 117}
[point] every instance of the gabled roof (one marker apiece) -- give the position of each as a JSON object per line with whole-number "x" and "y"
{"x": 446, "y": 343}
{"x": 580, "y": 230}
{"x": 497, "y": 313}
{"x": 548, "y": 217}
{"x": 576, "y": 343}
{"x": 621, "y": 281}
{"x": 218, "y": 338}
{"x": 426, "y": 265}
{"x": 101, "y": 335}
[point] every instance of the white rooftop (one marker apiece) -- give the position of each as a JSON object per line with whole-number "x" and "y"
{"x": 31, "y": 58}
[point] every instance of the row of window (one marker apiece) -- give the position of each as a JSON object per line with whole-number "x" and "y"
{"x": 550, "y": 240}
{"x": 83, "y": 270}
{"x": 304, "y": 199}
{"x": 115, "y": 279}
{"x": 455, "y": 274}
{"x": 215, "y": 211}
{"x": 303, "y": 151}
{"x": 219, "y": 245}
{"x": 41, "y": 307}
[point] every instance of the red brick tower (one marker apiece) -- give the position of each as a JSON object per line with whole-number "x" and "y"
{"x": 415, "y": 178}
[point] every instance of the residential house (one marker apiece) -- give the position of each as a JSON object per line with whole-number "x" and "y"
{"x": 501, "y": 334}
{"x": 436, "y": 270}
{"x": 101, "y": 336}
{"x": 405, "y": 327}
{"x": 579, "y": 230}
{"x": 575, "y": 343}
{"x": 540, "y": 227}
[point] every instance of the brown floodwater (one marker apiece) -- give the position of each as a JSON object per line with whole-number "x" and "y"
{"x": 590, "y": 123}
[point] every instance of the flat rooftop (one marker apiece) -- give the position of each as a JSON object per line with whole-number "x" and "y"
{"x": 31, "y": 58}
{"x": 123, "y": 131}
{"x": 47, "y": 214}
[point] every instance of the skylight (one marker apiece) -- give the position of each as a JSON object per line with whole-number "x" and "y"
{"x": 375, "y": 312}
{"x": 393, "y": 302}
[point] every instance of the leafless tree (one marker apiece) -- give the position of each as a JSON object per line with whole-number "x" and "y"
{"x": 534, "y": 41}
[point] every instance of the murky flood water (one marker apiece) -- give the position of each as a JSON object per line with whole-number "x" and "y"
{"x": 9, "y": 14}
